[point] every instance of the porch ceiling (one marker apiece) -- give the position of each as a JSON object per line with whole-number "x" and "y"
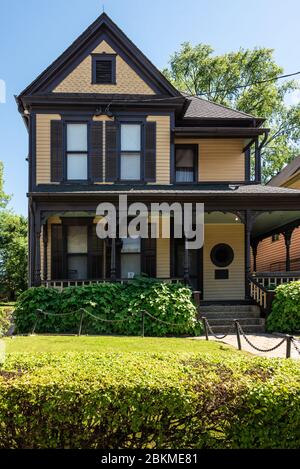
{"x": 269, "y": 223}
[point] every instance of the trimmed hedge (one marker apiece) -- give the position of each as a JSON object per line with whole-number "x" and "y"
{"x": 87, "y": 400}
{"x": 285, "y": 315}
{"x": 112, "y": 301}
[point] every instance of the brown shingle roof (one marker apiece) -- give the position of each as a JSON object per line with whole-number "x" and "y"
{"x": 286, "y": 173}
{"x": 201, "y": 108}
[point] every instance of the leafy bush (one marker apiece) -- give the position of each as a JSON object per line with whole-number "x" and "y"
{"x": 6, "y": 313}
{"x": 122, "y": 303}
{"x": 285, "y": 315}
{"x": 143, "y": 400}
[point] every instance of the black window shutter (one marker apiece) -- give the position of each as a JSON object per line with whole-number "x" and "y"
{"x": 56, "y": 252}
{"x": 150, "y": 152}
{"x": 96, "y": 151}
{"x": 149, "y": 256}
{"x": 111, "y": 151}
{"x": 95, "y": 253}
{"x": 56, "y": 151}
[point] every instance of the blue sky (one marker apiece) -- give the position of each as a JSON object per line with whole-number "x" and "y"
{"x": 34, "y": 32}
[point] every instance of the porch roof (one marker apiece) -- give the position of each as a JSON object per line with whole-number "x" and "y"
{"x": 216, "y": 189}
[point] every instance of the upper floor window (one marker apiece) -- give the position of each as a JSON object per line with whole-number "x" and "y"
{"x": 104, "y": 69}
{"x": 131, "y": 143}
{"x": 185, "y": 163}
{"x": 275, "y": 237}
{"x": 77, "y": 152}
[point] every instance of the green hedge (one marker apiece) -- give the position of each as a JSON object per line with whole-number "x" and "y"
{"x": 113, "y": 301}
{"x": 87, "y": 400}
{"x": 285, "y": 315}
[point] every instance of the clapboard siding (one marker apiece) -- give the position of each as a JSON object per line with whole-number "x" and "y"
{"x": 162, "y": 148}
{"x": 232, "y": 288}
{"x": 163, "y": 257}
{"x": 271, "y": 254}
{"x": 43, "y": 150}
{"x": 219, "y": 159}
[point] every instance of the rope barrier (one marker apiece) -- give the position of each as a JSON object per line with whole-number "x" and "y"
{"x": 257, "y": 348}
{"x": 219, "y": 337}
{"x": 294, "y": 344}
{"x": 107, "y": 320}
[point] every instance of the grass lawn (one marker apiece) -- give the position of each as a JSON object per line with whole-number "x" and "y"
{"x": 102, "y": 344}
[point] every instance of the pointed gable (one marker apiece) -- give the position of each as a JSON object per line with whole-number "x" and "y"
{"x": 127, "y": 81}
{"x": 72, "y": 72}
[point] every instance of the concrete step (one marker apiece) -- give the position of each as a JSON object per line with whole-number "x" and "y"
{"x": 228, "y": 308}
{"x": 229, "y": 314}
{"x": 243, "y": 322}
{"x": 253, "y": 329}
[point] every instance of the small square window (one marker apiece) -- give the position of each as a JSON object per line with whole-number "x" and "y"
{"x": 275, "y": 237}
{"x": 104, "y": 69}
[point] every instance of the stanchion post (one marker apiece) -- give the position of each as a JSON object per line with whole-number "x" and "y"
{"x": 289, "y": 339}
{"x": 204, "y": 320}
{"x": 80, "y": 323}
{"x": 238, "y": 336}
{"x": 36, "y": 321}
{"x": 143, "y": 323}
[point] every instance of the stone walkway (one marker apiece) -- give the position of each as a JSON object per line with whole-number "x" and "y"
{"x": 262, "y": 341}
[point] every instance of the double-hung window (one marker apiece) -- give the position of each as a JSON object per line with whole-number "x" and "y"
{"x": 130, "y": 257}
{"x": 186, "y": 163}
{"x": 77, "y": 252}
{"x": 77, "y": 151}
{"x": 131, "y": 144}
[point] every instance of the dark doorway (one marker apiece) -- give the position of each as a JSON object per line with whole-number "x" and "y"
{"x": 195, "y": 264}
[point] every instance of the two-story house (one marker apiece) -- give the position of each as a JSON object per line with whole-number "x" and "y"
{"x": 103, "y": 121}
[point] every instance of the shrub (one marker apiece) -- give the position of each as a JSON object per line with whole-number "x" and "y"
{"x": 122, "y": 303}
{"x": 6, "y": 314}
{"x": 285, "y": 315}
{"x": 143, "y": 400}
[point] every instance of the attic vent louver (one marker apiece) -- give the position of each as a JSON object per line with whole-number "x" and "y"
{"x": 104, "y": 69}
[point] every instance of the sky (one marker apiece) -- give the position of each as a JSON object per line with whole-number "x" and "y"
{"x": 34, "y": 32}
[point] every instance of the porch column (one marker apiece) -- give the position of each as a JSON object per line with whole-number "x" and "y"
{"x": 186, "y": 274}
{"x": 254, "y": 245}
{"x": 287, "y": 241}
{"x": 113, "y": 260}
{"x": 37, "y": 269}
{"x": 257, "y": 163}
{"x": 248, "y": 228}
{"x": 45, "y": 246}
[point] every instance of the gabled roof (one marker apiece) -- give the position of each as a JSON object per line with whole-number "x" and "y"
{"x": 286, "y": 173}
{"x": 199, "y": 108}
{"x": 84, "y": 44}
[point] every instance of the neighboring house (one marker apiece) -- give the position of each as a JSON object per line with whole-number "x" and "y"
{"x": 281, "y": 251}
{"x": 103, "y": 121}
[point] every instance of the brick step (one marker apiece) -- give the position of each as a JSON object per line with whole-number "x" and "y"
{"x": 244, "y": 322}
{"x": 230, "y": 314}
{"x": 255, "y": 329}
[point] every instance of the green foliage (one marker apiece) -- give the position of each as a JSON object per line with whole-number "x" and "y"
{"x": 146, "y": 400}
{"x": 6, "y": 313}
{"x": 224, "y": 79}
{"x": 111, "y": 301}
{"x": 4, "y": 198}
{"x": 285, "y": 315}
{"x": 13, "y": 254}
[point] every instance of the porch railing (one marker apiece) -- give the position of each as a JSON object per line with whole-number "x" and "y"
{"x": 263, "y": 284}
{"x": 64, "y": 283}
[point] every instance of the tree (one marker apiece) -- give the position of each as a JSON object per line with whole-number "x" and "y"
{"x": 13, "y": 248}
{"x": 243, "y": 80}
{"x": 4, "y": 198}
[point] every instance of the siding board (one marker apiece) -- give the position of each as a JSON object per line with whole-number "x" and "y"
{"x": 219, "y": 159}
{"x": 163, "y": 148}
{"x": 43, "y": 147}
